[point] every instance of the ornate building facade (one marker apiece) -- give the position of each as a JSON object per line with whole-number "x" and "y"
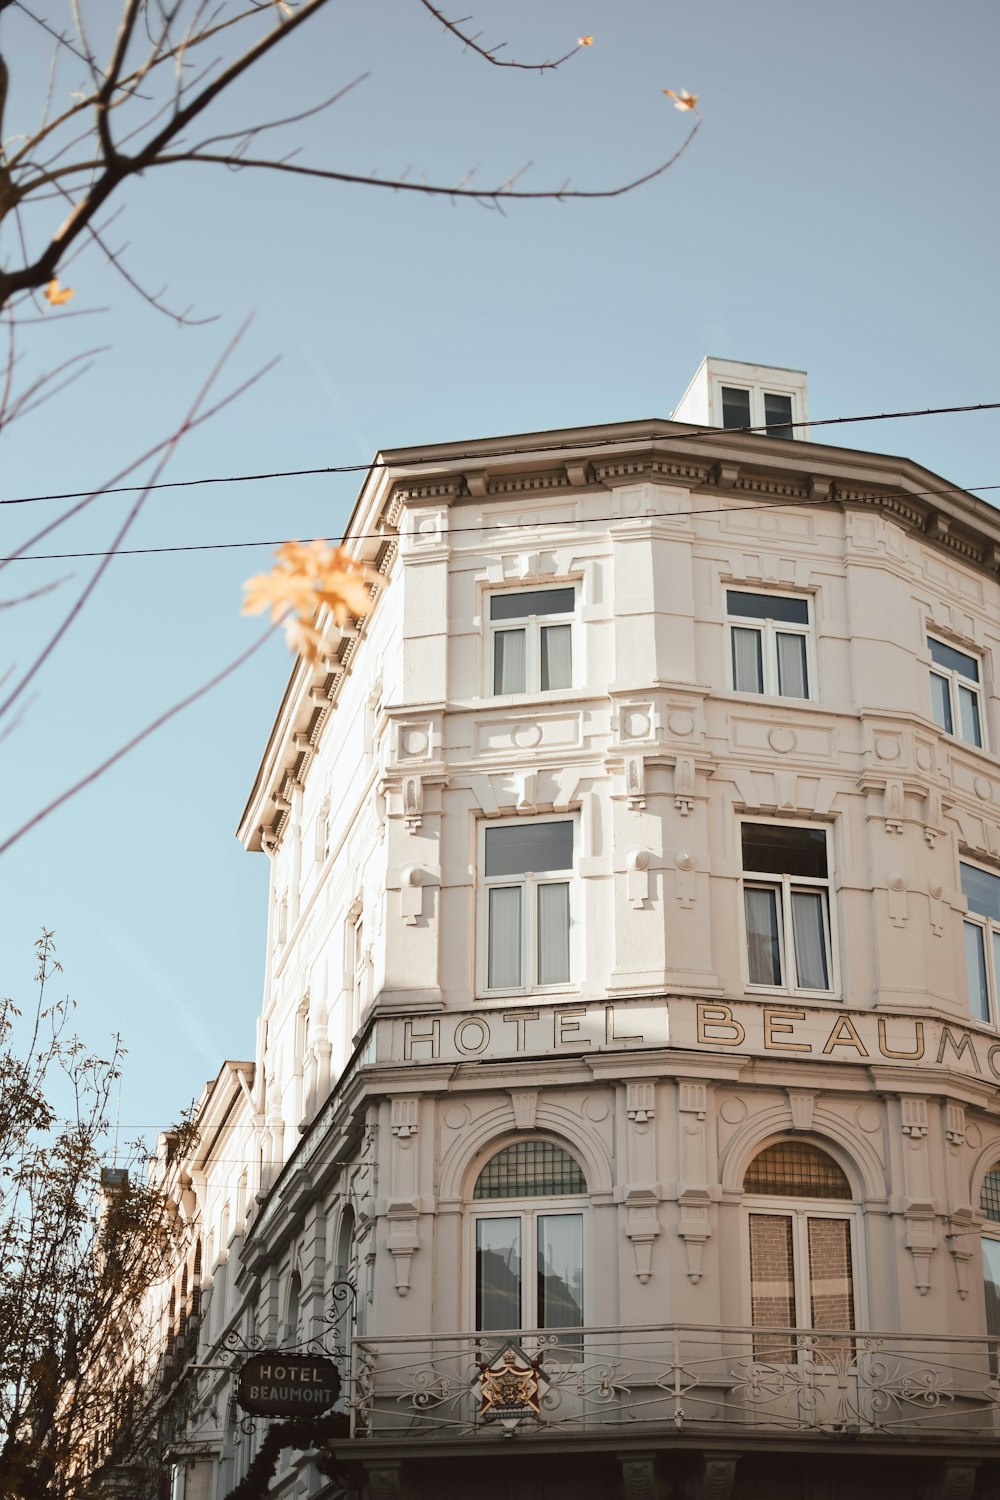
{"x": 624, "y": 1118}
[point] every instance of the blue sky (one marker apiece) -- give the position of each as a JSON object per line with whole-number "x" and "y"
{"x": 837, "y": 212}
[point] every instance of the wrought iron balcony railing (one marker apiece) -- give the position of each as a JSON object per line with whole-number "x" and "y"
{"x": 687, "y": 1378}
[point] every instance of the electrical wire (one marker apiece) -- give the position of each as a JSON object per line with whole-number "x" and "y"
{"x": 479, "y": 455}
{"x": 649, "y": 515}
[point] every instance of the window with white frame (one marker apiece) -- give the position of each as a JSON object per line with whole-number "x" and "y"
{"x": 745, "y": 407}
{"x": 531, "y": 640}
{"x": 956, "y": 692}
{"x": 526, "y": 907}
{"x": 770, "y": 644}
{"x": 529, "y": 1255}
{"x": 982, "y": 942}
{"x": 357, "y": 966}
{"x": 802, "y": 1253}
{"x": 786, "y": 907}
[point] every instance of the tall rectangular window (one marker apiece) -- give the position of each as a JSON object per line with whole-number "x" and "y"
{"x": 786, "y": 907}
{"x": 956, "y": 693}
{"x": 982, "y": 942}
{"x": 526, "y": 888}
{"x": 770, "y": 643}
{"x": 531, "y": 640}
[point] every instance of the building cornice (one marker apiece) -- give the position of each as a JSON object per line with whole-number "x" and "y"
{"x": 594, "y": 459}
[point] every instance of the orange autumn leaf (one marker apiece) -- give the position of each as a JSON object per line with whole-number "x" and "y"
{"x": 585, "y": 41}
{"x": 307, "y": 576}
{"x": 57, "y": 294}
{"x": 682, "y": 100}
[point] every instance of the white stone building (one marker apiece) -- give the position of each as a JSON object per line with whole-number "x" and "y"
{"x": 633, "y": 980}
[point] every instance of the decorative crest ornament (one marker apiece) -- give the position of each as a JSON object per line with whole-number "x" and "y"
{"x": 510, "y": 1387}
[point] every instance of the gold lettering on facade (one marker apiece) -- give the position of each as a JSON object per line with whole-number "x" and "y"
{"x": 918, "y": 1042}
{"x": 964, "y": 1045}
{"x": 413, "y": 1039}
{"x": 566, "y": 1023}
{"x": 609, "y": 1029}
{"x": 845, "y": 1034}
{"x": 716, "y": 1017}
{"x": 520, "y": 1019}
{"x": 776, "y": 1021}
{"x": 480, "y": 1036}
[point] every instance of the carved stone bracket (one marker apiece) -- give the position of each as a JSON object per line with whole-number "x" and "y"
{"x": 404, "y": 1242}
{"x": 642, "y": 1229}
{"x": 525, "y": 1105}
{"x": 640, "y": 1480}
{"x": 635, "y": 782}
{"x": 694, "y": 1229}
{"x": 715, "y": 1478}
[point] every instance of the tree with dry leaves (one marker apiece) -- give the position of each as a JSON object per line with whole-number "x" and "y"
{"x": 81, "y": 1245}
{"x": 131, "y": 92}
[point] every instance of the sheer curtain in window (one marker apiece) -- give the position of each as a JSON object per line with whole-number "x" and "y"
{"x": 505, "y": 938}
{"x": 508, "y": 661}
{"x": 557, "y": 657}
{"x": 748, "y": 666}
{"x": 763, "y": 948}
{"x": 553, "y": 933}
{"x": 792, "y": 679}
{"x": 809, "y": 933}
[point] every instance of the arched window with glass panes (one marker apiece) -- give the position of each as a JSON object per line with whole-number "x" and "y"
{"x": 528, "y": 1209}
{"x": 802, "y": 1246}
{"x": 989, "y": 1202}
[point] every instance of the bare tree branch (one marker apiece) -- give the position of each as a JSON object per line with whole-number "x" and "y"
{"x": 503, "y": 193}
{"x": 490, "y": 53}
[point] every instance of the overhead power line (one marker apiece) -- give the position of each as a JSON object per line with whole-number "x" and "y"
{"x": 650, "y": 515}
{"x": 503, "y": 452}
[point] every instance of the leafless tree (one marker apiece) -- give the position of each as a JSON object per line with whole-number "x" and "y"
{"x": 80, "y": 1249}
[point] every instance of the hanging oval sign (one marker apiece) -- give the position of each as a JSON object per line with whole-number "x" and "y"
{"x": 287, "y": 1385}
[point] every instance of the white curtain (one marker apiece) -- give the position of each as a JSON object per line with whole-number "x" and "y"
{"x": 941, "y": 702}
{"x": 792, "y": 681}
{"x": 748, "y": 672}
{"x": 505, "y": 938}
{"x": 553, "y": 934}
{"x": 508, "y": 661}
{"x": 968, "y": 707}
{"x": 557, "y": 657}
{"x": 975, "y": 966}
{"x": 763, "y": 950}
{"x": 808, "y": 929}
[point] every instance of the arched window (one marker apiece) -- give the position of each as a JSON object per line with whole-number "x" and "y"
{"x": 802, "y": 1254}
{"x": 529, "y": 1257}
{"x": 989, "y": 1202}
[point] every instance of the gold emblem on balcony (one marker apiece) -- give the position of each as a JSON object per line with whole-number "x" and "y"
{"x": 510, "y": 1386}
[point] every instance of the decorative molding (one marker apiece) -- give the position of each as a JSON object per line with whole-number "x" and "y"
{"x": 403, "y": 1118}
{"x": 637, "y": 877}
{"x": 914, "y": 1117}
{"x": 954, "y": 1123}
{"x": 635, "y": 782}
{"x": 640, "y": 1102}
{"x": 693, "y": 1099}
{"x": 525, "y": 1106}
{"x": 643, "y": 1228}
{"x": 639, "y": 1478}
{"x": 802, "y": 1103}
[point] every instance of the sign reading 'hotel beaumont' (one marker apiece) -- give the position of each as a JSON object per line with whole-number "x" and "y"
{"x": 287, "y": 1385}
{"x": 761, "y": 1029}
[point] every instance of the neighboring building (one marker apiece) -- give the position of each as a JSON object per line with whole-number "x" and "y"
{"x": 633, "y": 981}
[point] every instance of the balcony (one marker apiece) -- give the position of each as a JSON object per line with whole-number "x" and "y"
{"x": 684, "y": 1380}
